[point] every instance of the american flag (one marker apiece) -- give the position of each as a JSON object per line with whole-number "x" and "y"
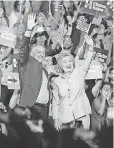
{"x": 49, "y": 20}
{"x": 83, "y": 26}
{"x": 97, "y": 20}
{"x": 60, "y": 34}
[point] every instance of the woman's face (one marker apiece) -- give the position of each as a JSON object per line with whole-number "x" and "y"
{"x": 112, "y": 75}
{"x": 67, "y": 64}
{"x": 41, "y": 19}
{"x": 67, "y": 42}
{"x": 106, "y": 91}
{"x": 21, "y": 6}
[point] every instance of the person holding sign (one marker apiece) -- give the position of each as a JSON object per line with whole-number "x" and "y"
{"x": 70, "y": 104}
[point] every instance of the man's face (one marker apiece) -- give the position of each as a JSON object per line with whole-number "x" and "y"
{"x": 67, "y": 43}
{"x": 38, "y": 53}
{"x": 41, "y": 40}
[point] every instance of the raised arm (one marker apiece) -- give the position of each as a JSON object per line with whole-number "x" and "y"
{"x": 96, "y": 88}
{"x": 90, "y": 52}
{"x": 24, "y": 49}
{"x": 56, "y": 15}
{"x": 99, "y": 106}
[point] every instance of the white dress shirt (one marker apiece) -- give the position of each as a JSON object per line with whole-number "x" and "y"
{"x": 43, "y": 96}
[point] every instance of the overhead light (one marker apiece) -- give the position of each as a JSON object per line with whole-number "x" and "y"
{"x": 108, "y": 3}
{"x": 87, "y": 1}
{"x": 86, "y": 5}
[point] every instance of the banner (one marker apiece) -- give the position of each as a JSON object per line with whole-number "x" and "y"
{"x": 95, "y": 70}
{"x": 7, "y": 37}
{"x": 97, "y": 20}
{"x": 12, "y": 80}
{"x": 101, "y": 7}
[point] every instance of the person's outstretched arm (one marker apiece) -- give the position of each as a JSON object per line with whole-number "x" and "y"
{"x": 89, "y": 56}
{"x": 24, "y": 49}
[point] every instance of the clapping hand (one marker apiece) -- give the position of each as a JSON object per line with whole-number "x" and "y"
{"x": 31, "y": 21}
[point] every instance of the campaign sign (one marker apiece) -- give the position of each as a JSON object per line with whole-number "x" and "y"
{"x": 101, "y": 54}
{"x": 84, "y": 21}
{"x": 101, "y": 7}
{"x": 95, "y": 70}
{"x": 12, "y": 80}
{"x": 7, "y": 37}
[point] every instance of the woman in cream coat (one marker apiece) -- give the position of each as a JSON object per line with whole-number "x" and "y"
{"x": 70, "y": 103}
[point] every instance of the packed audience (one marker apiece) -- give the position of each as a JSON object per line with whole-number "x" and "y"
{"x": 57, "y": 103}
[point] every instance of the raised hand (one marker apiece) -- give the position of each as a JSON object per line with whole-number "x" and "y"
{"x": 95, "y": 30}
{"x": 31, "y": 21}
{"x": 88, "y": 40}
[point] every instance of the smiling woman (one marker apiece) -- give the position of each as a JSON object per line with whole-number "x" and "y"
{"x": 70, "y": 105}
{"x": 66, "y": 63}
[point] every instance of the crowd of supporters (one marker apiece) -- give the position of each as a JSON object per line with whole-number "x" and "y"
{"x": 56, "y": 83}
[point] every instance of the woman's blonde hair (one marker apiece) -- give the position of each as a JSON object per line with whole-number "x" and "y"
{"x": 60, "y": 58}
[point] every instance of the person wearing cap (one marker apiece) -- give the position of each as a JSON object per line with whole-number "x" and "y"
{"x": 70, "y": 105}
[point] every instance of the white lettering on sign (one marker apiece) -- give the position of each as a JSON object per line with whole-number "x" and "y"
{"x": 98, "y": 7}
{"x": 8, "y": 36}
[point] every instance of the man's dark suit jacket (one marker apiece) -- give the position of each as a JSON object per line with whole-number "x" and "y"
{"x": 30, "y": 73}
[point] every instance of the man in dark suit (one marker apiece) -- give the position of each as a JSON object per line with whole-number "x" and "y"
{"x": 32, "y": 75}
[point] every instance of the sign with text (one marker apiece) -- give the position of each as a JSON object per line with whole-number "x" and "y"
{"x": 12, "y": 80}
{"x": 101, "y": 7}
{"x": 95, "y": 70}
{"x": 7, "y": 37}
{"x": 98, "y": 7}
